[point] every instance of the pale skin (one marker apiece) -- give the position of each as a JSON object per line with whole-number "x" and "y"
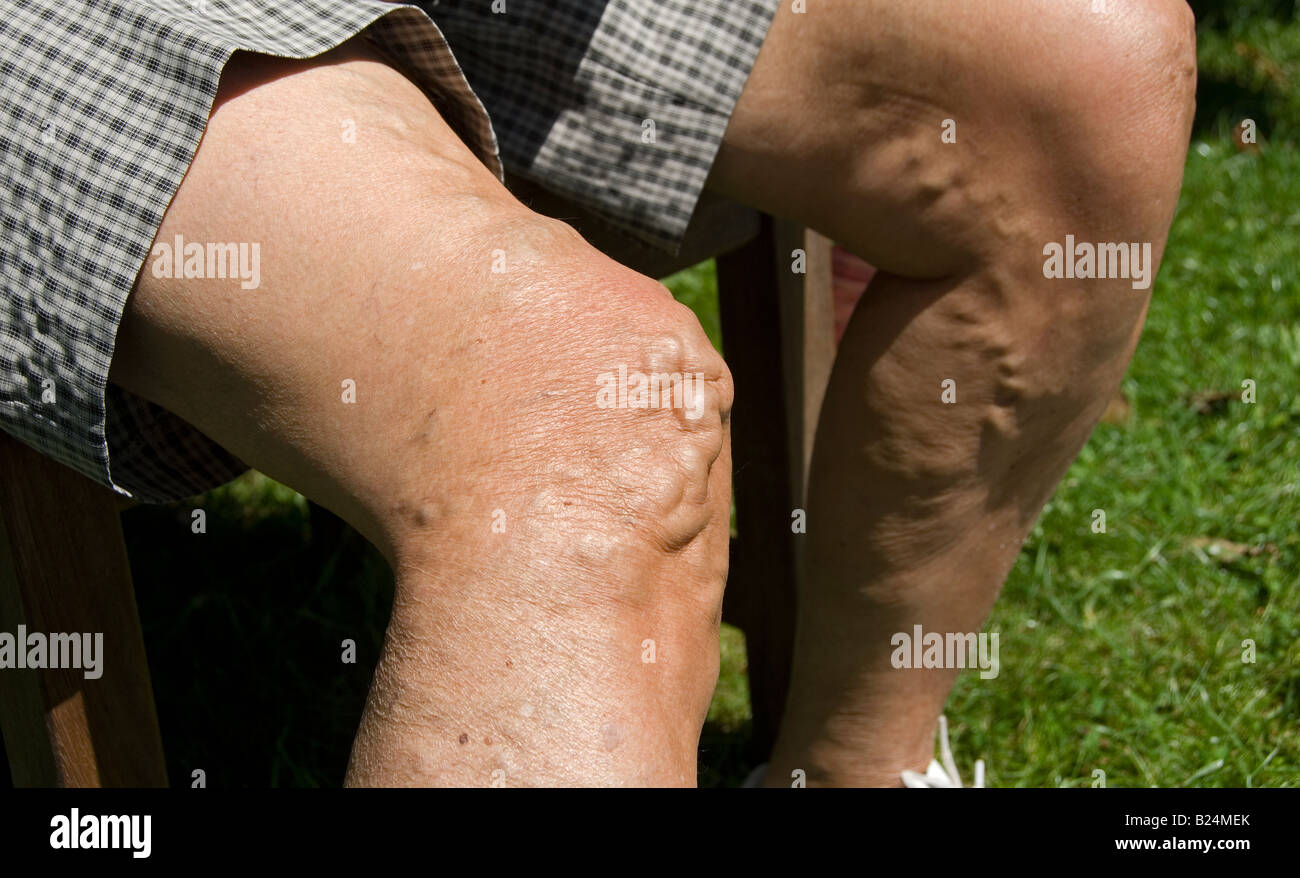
{"x": 520, "y": 657}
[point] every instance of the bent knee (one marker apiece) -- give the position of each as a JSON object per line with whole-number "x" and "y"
{"x": 1085, "y": 128}
{"x": 1133, "y": 66}
{"x": 645, "y": 402}
{"x": 591, "y": 408}
{"x": 1110, "y": 100}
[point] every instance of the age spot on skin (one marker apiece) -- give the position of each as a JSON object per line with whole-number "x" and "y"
{"x": 464, "y": 738}
{"x": 420, "y": 514}
{"x": 427, "y": 430}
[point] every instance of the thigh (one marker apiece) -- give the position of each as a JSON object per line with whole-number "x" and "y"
{"x": 416, "y": 336}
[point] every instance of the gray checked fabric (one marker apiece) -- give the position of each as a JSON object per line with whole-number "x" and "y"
{"x": 102, "y": 106}
{"x": 617, "y": 103}
{"x": 573, "y": 85}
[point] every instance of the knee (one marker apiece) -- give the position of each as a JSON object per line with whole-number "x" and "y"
{"x": 1144, "y": 53}
{"x": 1111, "y": 98}
{"x": 592, "y": 413}
{"x": 1131, "y": 70}
{"x": 648, "y": 410}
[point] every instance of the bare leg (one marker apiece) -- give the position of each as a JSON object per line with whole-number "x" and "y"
{"x": 1066, "y": 122}
{"x": 538, "y": 540}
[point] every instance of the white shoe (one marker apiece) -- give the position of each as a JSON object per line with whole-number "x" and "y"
{"x": 943, "y": 776}
{"x": 935, "y": 776}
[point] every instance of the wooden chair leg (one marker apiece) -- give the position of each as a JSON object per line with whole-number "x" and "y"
{"x": 63, "y": 569}
{"x": 777, "y": 333}
{"x": 807, "y": 340}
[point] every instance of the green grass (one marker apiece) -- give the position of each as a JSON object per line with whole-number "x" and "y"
{"x": 1251, "y": 72}
{"x": 1120, "y": 651}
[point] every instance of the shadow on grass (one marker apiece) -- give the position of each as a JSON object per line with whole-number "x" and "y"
{"x": 244, "y": 627}
{"x": 725, "y": 760}
{"x": 1222, "y": 102}
{"x": 1247, "y": 68}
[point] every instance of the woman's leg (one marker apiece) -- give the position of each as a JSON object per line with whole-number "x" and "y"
{"x": 948, "y": 145}
{"x": 423, "y": 356}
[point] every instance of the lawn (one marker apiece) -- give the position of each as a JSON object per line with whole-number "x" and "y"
{"x": 1123, "y": 651}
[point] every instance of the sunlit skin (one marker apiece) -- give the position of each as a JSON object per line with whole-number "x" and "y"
{"x": 518, "y": 656}
{"x": 514, "y": 655}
